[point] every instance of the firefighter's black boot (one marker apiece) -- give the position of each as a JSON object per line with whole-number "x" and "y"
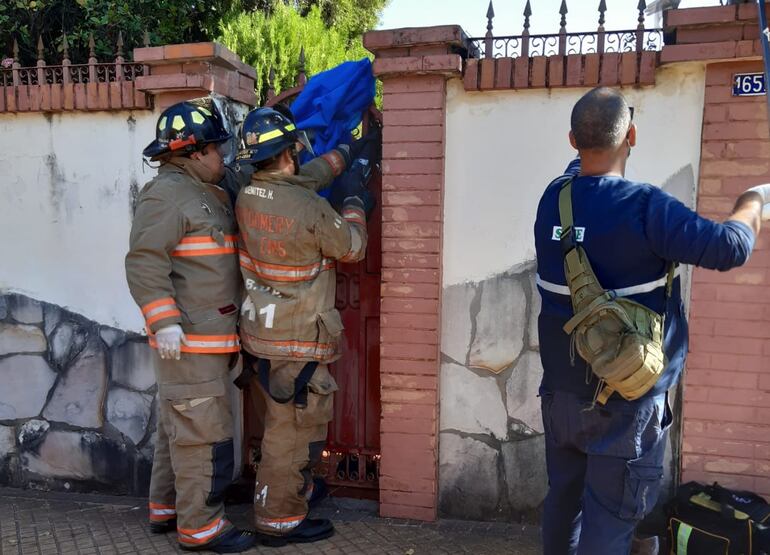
{"x": 232, "y": 541}
{"x": 163, "y": 527}
{"x": 311, "y": 530}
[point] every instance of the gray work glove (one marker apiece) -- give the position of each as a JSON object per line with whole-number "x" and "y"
{"x": 764, "y": 192}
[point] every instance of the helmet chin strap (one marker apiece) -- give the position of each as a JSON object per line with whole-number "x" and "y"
{"x": 295, "y": 158}
{"x": 147, "y": 162}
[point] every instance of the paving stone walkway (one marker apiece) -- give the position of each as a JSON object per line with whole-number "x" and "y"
{"x": 45, "y": 523}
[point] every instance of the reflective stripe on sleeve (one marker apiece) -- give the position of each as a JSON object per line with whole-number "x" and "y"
{"x": 335, "y": 161}
{"x": 205, "y": 246}
{"x": 354, "y": 215}
{"x": 160, "y": 309}
{"x": 622, "y": 292}
{"x": 198, "y": 536}
{"x": 283, "y": 272}
{"x": 207, "y": 344}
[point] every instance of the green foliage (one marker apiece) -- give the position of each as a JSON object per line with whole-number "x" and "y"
{"x": 328, "y": 31}
{"x": 167, "y": 21}
{"x": 352, "y": 18}
{"x": 264, "y": 33}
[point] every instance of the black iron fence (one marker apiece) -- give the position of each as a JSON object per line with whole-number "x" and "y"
{"x": 563, "y": 43}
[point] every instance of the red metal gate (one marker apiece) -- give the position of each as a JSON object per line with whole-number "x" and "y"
{"x": 351, "y": 459}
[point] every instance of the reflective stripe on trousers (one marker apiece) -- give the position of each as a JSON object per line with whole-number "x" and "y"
{"x": 201, "y": 535}
{"x": 161, "y": 513}
{"x": 280, "y": 525}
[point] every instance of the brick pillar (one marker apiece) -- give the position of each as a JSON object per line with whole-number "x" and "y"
{"x": 179, "y": 72}
{"x": 413, "y": 65}
{"x": 727, "y": 386}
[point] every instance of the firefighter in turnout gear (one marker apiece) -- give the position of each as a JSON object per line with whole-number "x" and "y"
{"x": 182, "y": 270}
{"x": 290, "y": 239}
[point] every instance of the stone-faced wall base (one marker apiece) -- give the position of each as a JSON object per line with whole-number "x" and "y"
{"x": 77, "y": 406}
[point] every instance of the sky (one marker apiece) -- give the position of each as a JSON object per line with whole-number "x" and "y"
{"x": 471, "y": 15}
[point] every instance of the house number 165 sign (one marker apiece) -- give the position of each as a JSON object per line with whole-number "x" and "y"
{"x": 749, "y": 84}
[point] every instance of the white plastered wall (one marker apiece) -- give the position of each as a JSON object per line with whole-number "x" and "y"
{"x": 503, "y": 148}
{"x": 66, "y": 193}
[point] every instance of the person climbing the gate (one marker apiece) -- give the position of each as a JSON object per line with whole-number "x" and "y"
{"x": 290, "y": 238}
{"x": 612, "y": 327}
{"x": 182, "y": 270}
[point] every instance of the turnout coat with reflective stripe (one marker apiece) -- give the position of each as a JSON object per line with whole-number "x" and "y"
{"x": 290, "y": 239}
{"x": 630, "y": 232}
{"x": 182, "y": 264}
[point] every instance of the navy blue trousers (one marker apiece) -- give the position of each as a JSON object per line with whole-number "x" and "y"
{"x": 605, "y": 468}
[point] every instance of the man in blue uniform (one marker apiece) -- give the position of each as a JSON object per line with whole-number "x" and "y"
{"x": 605, "y": 462}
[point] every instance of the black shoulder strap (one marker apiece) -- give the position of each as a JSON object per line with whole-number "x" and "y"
{"x": 568, "y": 238}
{"x": 300, "y": 382}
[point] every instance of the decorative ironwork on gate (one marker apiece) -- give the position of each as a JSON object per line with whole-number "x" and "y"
{"x": 562, "y": 43}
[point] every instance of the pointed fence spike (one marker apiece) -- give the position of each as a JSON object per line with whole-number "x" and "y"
{"x": 488, "y": 36}
{"x": 65, "y": 47}
{"x": 146, "y": 38}
{"x": 15, "y": 50}
{"x": 301, "y": 78}
{"x": 641, "y": 7}
{"x": 602, "y": 11}
{"x": 40, "y": 48}
{"x": 119, "y": 45}
{"x": 563, "y": 11}
{"x": 527, "y": 14}
{"x": 91, "y": 46}
{"x": 271, "y": 83}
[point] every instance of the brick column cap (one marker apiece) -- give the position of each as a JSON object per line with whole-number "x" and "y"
{"x": 711, "y": 34}
{"x": 178, "y": 72}
{"x": 418, "y": 50}
{"x": 700, "y": 16}
{"x": 407, "y": 37}
{"x": 211, "y": 52}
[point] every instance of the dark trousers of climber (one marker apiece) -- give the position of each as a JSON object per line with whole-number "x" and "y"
{"x": 194, "y": 447}
{"x": 293, "y": 441}
{"x": 605, "y": 469}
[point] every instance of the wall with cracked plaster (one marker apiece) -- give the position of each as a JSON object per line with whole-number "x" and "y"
{"x": 491, "y": 452}
{"x": 67, "y": 199}
{"x": 69, "y": 184}
{"x": 503, "y": 148}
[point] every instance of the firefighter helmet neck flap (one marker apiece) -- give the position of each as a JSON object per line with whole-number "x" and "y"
{"x": 267, "y": 132}
{"x": 185, "y": 128}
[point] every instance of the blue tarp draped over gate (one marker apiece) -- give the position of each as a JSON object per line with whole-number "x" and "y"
{"x": 332, "y": 103}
